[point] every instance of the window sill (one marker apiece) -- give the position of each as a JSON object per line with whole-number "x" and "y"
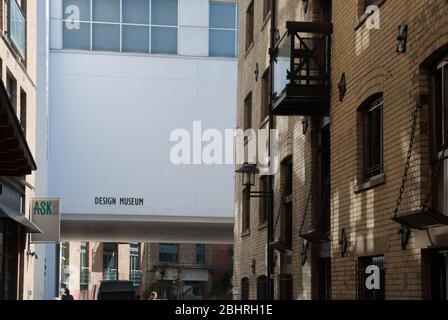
{"x": 262, "y": 225}
{"x": 362, "y": 19}
{"x": 371, "y": 183}
{"x": 249, "y": 50}
{"x": 245, "y": 233}
{"x": 265, "y": 22}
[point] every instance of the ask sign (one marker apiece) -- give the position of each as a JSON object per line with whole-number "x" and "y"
{"x": 45, "y": 213}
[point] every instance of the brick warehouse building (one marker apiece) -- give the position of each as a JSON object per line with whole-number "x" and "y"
{"x": 205, "y": 270}
{"x": 344, "y": 137}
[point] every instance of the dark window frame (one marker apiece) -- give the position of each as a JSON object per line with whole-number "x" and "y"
{"x": 439, "y": 129}
{"x": 266, "y": 8}
{"x": 373, "y": 136}
{"x": 245, "y": 214}
{"x": 265, "y": 94}
{"x": 248, "y": 103}
{"x": 250, "y": 25}
{"x": 287, "y": 171}
{"x": 200, "y": 254}
{"x": 263, "y": 201}
{"x": 245, "y": 289}
{"x": 166, "y": 257}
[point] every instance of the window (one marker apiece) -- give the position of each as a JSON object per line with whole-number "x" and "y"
{"x": 287, "y": 171}
{"x": 84, "y": 264}
{"x": 65, "y": 256}
{"x": 198, "y": 289}
{"x": 164, "y": 26}
{"x": 246, "y": 211}
{"x": 248, "y": 112}
{"x": 200, "y": 253}
{"x": 266, "y": 8}
{"x": 250, "y": 25}
{"x": 262, "y": 288}
{"x": 110, "y": 257}
{"x": 168, "y": 253}
{"x": 135, "y": 274}
{"x": 373, "y": 136}
{"x": 223, "y": 29}
{"x": 365, "y": 275}
{"x": 264, "y": 201}
{"x": 17, "y": 27}
{"x": 265, "y": 95}
{"x": 245, "y": 289}
{"x": 23, "y": 111}
{"x": 139, "y": 26}
{"x": 285, "y": 286}
{"x": 11, "y": 87}
{"x": 440, "y": 134}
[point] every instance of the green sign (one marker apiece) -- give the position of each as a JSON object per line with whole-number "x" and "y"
{"x": 45, "y": 214}
{"x": 43, "y": 208}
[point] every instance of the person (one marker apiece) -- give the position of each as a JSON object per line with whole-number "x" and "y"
{"x": 153, "y": 296}
{"x": 67, "y": 295}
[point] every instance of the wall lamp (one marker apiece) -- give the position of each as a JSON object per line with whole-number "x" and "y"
{"x": 248, "y": 172}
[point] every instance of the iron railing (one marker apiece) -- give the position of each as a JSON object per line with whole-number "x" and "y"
{"x": 135, "y": 276}
{"x": 110, "y": 274}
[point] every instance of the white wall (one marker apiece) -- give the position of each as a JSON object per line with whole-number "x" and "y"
{"x": 110, "y": 124}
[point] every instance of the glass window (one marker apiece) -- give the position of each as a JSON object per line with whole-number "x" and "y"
{"x": 84, "y": 271}
{"x": 135, "y": 39}
{"x": 106, "y": 10}
{"x": 136, "y": 11}
{"x": 373, "y": 138}
{"x": 245, "y": 289}
{"x": 17, "y": 26}
{"x": 222, "y": 15}
{"x": 164, "y": 12}
{"x": 106, "y": 37}
{"x": 168, "y": 253}
{"x": 71, "y": 13}
{"x": 223, "y": 29}
{"x": 164, "y": 40}
{"x": 110, "y": 261}
{"x": 250, "y": 25}
{"x": 200, "y": 253}
{"x": 222, "y": 43}
{"x": 77, "y": 38}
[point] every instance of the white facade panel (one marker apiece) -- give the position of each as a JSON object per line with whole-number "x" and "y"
{"x": 110, "y": 124}
{"x": 193, "y": 13}
{"x": 193, "y": 41}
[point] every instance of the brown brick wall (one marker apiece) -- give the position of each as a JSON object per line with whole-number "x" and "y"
{"x": 371, "y": 64}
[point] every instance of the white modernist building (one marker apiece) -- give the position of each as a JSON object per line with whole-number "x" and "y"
{"x": 116, "y": 78}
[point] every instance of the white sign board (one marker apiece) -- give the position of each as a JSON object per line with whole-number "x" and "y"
{"x": 45, "y": 213}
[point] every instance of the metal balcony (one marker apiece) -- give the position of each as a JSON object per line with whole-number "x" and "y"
{"x": 110, "y": 274}
{"x": 301, "y": 69}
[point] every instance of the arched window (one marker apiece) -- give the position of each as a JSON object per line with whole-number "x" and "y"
{"x": 262, "y": 288}
{"x": 245, "y": 289}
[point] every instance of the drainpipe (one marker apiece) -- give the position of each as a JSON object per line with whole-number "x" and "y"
{"x": 270, "y": 237}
